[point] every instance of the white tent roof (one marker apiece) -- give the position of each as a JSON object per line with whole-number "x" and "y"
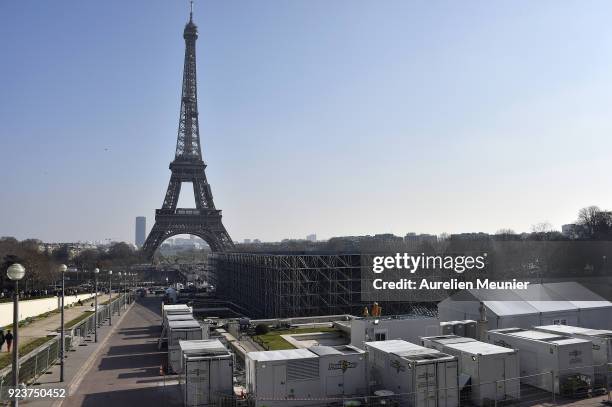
{"x": 538, "y": 298}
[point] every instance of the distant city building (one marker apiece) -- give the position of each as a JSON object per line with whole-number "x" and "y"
{"x": 256, "y": 241}
{"x": 312, "y": 237}
{"x": 470, "y": 236}
{"x": 421, "y": 238}
{"x": 141, "y": 231}
{"x": 574, "y": 231}
{"x": 247, "y": 241}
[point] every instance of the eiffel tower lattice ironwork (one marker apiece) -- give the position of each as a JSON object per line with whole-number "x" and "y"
{"x": 204, "y": 220}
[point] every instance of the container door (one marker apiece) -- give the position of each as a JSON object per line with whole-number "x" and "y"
{"x": 499, "y": 388}
{"x": 420, "y": 380}
{"x": 334, "y": 385}
{"x": 447, "y": 380}
{"x": 280, "y": 379}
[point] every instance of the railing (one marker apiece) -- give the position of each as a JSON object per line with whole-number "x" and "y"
{"x": 37, "y": 362}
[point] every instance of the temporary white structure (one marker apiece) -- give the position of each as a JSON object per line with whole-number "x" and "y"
{"x": 602, "y": 348}
{"x": 302, "y": 377}
{"x": 283, "y": 377}
{"x": 206, "y": 372}
{"x": 343, "y": 370}
{"x": 546, "y": 357}
{"x": 406, "y": 327}
{"x": 541, "y": 304}
{"x": 181, "y": 330}
{"x": 421, "y": 377}
{"x": 492, "y": 370}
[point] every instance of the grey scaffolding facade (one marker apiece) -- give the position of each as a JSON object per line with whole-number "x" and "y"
{"x": 296, "y": 285}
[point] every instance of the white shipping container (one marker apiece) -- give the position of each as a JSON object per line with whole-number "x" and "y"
{"x": 490, "y": 368}
{"x": 176, "y": 309}
{"x": 547, "y": 357}
{"x": 207, "y": 373}
{"x": 423, "y": 377}
{"x": 283, "y": 378}
{"x": 602, "y": 347}
{"x": 181, "y": 330}
{"x": 343, "y": 370}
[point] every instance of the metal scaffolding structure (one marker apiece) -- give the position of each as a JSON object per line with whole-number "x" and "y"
{"x": 296, "y": 285}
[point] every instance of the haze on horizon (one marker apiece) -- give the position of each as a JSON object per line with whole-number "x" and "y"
{"x": 342, "y": 117}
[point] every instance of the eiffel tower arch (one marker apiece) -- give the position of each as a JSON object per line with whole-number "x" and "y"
{"x": 204, "y": 220}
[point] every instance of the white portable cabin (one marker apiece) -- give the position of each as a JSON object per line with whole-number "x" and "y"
{"x": 492, "y": 370}
{"x": 602, "y": 347}
{"x": 172, "y": 317}
{"x": 176, "y": 309}
{"x": 283, "y": 377}
{"x": 181, "y": 330}
{"x": 424, "y": 377}
{"x": 545, "y": 357}
{"x": 342, "y": 369}
{"x": 206, "y": 372}
{"x": 406, "y": 327}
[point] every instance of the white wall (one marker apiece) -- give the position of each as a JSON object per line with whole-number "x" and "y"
{"x": 365, "y": 329}
{"x": 32, "y": 308}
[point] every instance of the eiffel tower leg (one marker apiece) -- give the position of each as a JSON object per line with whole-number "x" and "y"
{"x": 154, "y": 240}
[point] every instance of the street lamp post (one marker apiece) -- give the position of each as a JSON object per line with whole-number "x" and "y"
{"x": 96, "y": 272}
{"x": 62, "y": 270}
{"x": 119, "y": 307}
{"x": 110, "y": 298}
{"x": 15, "y": 272}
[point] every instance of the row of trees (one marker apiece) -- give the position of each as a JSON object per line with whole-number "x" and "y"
{"x": 42, "y": 265}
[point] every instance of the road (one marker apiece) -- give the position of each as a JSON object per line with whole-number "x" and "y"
{"x": 126, "y": 372}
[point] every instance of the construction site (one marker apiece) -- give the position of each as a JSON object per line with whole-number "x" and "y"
{"x": 297, "y": 285}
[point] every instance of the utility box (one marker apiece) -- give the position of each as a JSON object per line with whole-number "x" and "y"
{"x": 602, "y": 348}
{"x": 283, "y": 378}
{"x": 343, "y": 370}
{"x": 424, "y": 377}
{"x": 565, "y": 361}
{"x": 447, "y": 328}
{"x": 471, "y": 328}
{"x": 206, "y": 372}
{"x": 488, "y": 372}
{"x": 181, "y": 330}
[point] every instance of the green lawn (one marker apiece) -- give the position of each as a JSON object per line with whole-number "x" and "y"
{"x": 5, "y": 357}
{"x": 273, "y": 339}
{"x": 76, "y": 320}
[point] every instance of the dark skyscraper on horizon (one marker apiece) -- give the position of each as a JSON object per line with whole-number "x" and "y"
{"x": 141, "y": 230}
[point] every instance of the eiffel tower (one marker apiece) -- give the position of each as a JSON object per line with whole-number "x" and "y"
{"x": 203, "y": 221}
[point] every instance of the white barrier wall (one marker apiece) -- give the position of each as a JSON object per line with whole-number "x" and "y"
{"x": 32, "y": 308}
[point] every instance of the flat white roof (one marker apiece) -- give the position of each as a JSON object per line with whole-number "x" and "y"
{"x": 401, "y": 348}
{"x": 179, "y": 317}
{"x": 286, "y": 354}
{"x": 176, "y": 306}
{"x": 191, "y": 323}
{"x": 568, "y": 329}
{"x": 203, "y": 347}
{"x": 542, "y": 336}
{"x": 479, "y": 348}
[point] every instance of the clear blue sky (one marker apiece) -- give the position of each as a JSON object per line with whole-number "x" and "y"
{"x": 327, "y": 116}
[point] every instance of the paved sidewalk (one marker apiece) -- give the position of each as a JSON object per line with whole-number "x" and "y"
{"x": 122, "y": 369}
{"x": 76, "y": 363}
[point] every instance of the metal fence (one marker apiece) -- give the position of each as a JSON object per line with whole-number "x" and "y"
{"x": 547, "y": 388}
{"x": 37, "y": 362}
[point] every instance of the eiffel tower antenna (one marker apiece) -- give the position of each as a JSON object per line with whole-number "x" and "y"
{"x": 190, "y": 10}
